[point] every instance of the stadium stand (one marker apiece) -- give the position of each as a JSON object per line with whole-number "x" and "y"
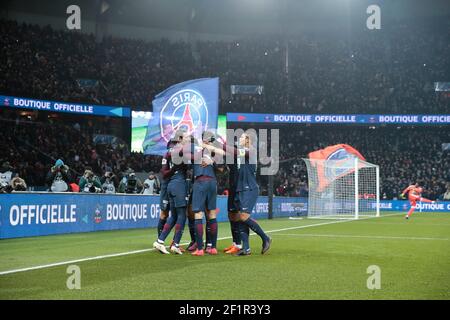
{"x": 325, "y": 76}
{"x": 403, "y": 154}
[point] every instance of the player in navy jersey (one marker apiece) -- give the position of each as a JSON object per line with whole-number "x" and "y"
{"x": 175, "y": 172}
{"x": 191, "y": 217}
{"x": 192, "y": 246}
{"x": 204, "y": 196}
{"x": 233, "y": 207}
{"x": 247, "y": 191}
{"x": 164, "y": 198}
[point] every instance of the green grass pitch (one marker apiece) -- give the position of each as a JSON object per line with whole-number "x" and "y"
{"x": 309, "y": 259}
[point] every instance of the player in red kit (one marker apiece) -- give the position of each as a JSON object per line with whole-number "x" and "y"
{"x": 414, "y": 194}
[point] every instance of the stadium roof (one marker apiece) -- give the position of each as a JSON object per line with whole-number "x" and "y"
{"x": 233, "y": 16}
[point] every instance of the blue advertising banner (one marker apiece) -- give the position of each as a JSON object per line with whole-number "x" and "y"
{"x": 24, "y": 215}
{"x": 403, "y": 205}
{"x": 38, "y": 214}
{"x": 192, "y": 105}
{"x": 68, "y": 107}
{"x": 341, "y": 118}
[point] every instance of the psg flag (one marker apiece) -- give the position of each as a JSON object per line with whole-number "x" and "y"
{"x": 333, "y": 162}
{"x": 191, "y": 105}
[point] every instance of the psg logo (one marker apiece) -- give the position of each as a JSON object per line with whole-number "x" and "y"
{"x": 185, "y": 109}
{"x": 340, "y": 157}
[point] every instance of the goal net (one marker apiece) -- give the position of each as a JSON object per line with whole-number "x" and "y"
{"x": 343, "y": 189}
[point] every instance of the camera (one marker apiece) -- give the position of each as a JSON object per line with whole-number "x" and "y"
{"x": 131, "y": 183}
{"x": 20, "y": 187}
{"x": 93, "y": 189}
{"x": 5, "y": 187}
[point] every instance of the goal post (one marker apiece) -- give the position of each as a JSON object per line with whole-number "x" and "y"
{"x": 343, "y": 189}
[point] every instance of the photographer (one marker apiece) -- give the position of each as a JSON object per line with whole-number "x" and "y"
{"x": 151, "y": 184}
{"x": 59, "y": 177}
{"x": 130, "y": 183}
{"x": 89, "y": 182}
{"x": 6, "y": 174}
{"x": 18, "y": 184}
{"x": 108, "y": 185}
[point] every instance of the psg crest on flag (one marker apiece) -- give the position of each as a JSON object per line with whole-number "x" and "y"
{"x": 343, "y": 156}
{"x": 191, "y": 105}
{"x": 188, "y": 111}
{"x": 333, "y": 162}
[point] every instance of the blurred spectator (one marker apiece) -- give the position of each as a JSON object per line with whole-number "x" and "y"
{"x": 151, "y": 184}
{"x": 6, "y": 174}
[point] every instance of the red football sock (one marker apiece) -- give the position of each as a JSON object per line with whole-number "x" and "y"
{"x": 411, "y": 210}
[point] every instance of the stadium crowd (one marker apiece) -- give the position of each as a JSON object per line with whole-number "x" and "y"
{"x": 32, "y": 148}
{"x": 405, "y": 155}
{"x": 391, "y": 71}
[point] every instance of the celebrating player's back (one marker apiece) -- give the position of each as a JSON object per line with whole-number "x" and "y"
{"x": 204, "y": 196}
{"x": 177, "y": 195}
{"x": 247, "y": 191}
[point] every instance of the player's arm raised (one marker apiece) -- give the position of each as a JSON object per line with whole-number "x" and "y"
{"x": 226, "y": 149}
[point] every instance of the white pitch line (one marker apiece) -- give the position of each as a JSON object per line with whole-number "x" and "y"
{"x": 445, "y": 225}
{"x": 358, "y": 236}
{"x": 152, "y": 249}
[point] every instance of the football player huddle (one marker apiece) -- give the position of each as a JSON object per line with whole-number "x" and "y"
{"x": 189, "y": 192}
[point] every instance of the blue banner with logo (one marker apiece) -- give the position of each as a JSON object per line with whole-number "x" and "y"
{"x": 37, "y": 214}
{"x": 25, "y": 215}
{"x": 412, "y": 119}
{"x": 403, "y": 205}
{"x": 68, "y": 107}
{"x": 192, "y": 105}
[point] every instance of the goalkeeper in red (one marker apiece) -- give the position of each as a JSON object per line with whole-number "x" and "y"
{"x": 414, "y": 194}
